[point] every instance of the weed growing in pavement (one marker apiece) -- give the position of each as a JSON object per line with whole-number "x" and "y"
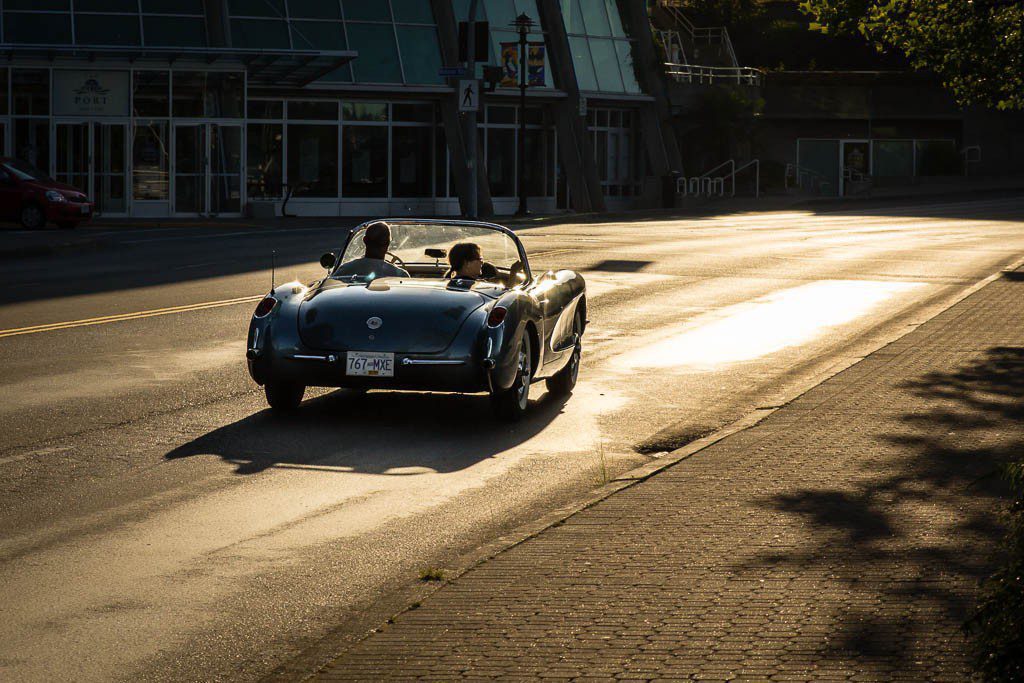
{"x": 431, "y": 574}
{"x": 604, "y": 466}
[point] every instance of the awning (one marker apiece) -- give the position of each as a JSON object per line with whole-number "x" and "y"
{"x": 277, "y": 68}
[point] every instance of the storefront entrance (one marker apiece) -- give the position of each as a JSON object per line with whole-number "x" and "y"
{"x": 855, "y": 157}
{"x": 92, "y": 156}
{"x": 207, "y": 169}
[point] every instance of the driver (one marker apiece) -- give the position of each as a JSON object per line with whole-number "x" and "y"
{"x": 377, "y": 238}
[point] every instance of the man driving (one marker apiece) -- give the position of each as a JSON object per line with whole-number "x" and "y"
{"x": 377, "y": 238}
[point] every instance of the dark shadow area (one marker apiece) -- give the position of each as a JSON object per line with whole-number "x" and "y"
{"x": 373, "y": 433}
{"x": 1014, "y": 275}
{"x": 174, "y": 255}
{"x": 621, "y": 266}
{"x": 958, "y": 428}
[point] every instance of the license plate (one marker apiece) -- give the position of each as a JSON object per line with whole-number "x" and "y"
{"x": 84, "y": 208}
{"x": 370, "y": 364}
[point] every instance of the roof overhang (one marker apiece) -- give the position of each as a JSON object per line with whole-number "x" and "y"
{"x": 278, "y": 68}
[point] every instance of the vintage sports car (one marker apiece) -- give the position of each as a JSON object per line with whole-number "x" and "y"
{"x": 428, "y": 331}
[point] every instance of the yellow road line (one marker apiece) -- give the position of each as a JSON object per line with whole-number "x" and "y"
{"x": 102, "y": 320}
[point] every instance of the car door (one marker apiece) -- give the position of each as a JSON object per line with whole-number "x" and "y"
{"x": 557, "y": 293}
{"x": 10, "y": 195}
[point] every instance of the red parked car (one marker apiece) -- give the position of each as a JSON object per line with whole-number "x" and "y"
{"x": 30, "y": 196}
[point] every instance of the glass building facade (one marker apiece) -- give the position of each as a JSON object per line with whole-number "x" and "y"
{"x": 170, "y": 108}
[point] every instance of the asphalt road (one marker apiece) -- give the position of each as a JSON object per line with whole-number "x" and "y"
{"x": 157, "y": 523}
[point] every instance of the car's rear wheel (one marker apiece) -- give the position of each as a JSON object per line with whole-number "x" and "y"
{"x": 32, "y": 217}
{"x": 564, "y": 381}
{"x": 284, "y": 396}
{"x": 510, "y": 404}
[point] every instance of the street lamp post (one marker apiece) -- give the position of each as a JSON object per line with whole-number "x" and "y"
{"x": 523, "y": 24}
{"x": 471, "y": 152}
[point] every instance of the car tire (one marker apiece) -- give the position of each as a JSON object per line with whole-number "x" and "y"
{"x": 510, "y": 404}
{"x": 284, "y": 397}
{"x": 32, "y": 217}
{"x": 564, "y": 381}
{"x": 67, "y": 225}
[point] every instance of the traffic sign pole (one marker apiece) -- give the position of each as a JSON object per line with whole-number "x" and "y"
{"x": 471, "y": 203}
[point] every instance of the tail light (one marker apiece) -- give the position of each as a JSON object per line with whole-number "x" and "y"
{"x": 497, "y": 316}
{"x": 264, "y": 307}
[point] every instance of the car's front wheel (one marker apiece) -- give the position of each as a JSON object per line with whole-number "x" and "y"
{"x": 284, "y": 396}
{"x": 510, "y": 404}
{"x": 32, "y": 217}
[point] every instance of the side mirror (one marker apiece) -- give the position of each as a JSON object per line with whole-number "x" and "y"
{"x": 327, "y": 260}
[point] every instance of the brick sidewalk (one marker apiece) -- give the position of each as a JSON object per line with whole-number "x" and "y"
{"x": 842, "y": 538}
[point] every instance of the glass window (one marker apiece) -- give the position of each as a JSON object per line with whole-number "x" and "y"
{"x": 421, "y": 54}
{"x": 151, "y": 93}
{"x": 127, "y": 6}
{"x": 441, "y": 163}
{"x": 225, "y": 94}
{"x": 3, "y": 95}
{"x": 365, "y": 162}
{"x": 107, "y": 29}
{"x": 34, "y": 27}
{"x": 501, "y": 161}
{"x": 31, "y": 142}
{"x": 264, "y": 158}
{"x": 585, "y": 77}
{"x": 259, "y": 33}
{"x": 314, "y": 9}
{"x": 624, "y": 50}
{"x": 150, "y": 161}
{"x": 361, "y": 10}
{"x": 411, "y": 162}
{"x": 418, "y": 113}
{"x": 31, "y": 5}
{"x": 319, "y": 111}
{"x": 266, "y": 109}
{"x": 893, "y": 158}
{"x": 412, "y": 11}
{"x": 201, "y": 93}
{"x": 501, "y": 114}
{"x": 572, "y": 17}
{"x": 313, "y": 159}
{"x": 174, "y": 31}
{"x": 614, "y": 19}
{"x": 501, "y": 13}
{"x": 378, "y": 53}
{"x": 606, "y": 65}
{"x": 318, "y": 35}
{"x": 172, "y": 7}
{"x": 536, "y": 162}
{"x": 365, "y": 111}
{"x": 595, "y": 18}
{"x": 264, "y": 8}
{"x": 31, "y": 91}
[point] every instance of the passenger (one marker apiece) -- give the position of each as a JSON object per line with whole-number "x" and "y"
{"x": 377, "y": 238}
{"x": 467, "y": 261}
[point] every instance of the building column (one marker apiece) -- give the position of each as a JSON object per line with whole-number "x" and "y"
{"x": 448, "y": 36}
{"x": 576, "y": 155}
{"x": 655, "y": 118}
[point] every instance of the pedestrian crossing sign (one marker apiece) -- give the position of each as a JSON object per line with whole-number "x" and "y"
{"x": 469, "y": 94}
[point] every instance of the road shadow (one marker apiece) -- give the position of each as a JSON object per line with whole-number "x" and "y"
{"x": 393, "y": 432}
{"x": 902, "y": 582}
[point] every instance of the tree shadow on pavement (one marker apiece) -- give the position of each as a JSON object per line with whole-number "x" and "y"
{"x": 395, "y": 433}
{"x": 908, "y": 532}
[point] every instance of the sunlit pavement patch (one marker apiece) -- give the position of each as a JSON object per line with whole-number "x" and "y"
{"x": 762, "y": 326}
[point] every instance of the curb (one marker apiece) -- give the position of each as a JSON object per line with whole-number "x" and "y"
{"x": 407, "y": 598}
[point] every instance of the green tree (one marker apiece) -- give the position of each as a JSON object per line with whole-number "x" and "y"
{"x": 975, "y": 46}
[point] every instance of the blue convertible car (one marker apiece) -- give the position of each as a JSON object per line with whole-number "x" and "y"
{"x": 426, "y": 328}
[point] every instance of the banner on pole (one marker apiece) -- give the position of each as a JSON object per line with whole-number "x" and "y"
{"x": 509, "y": 65}
{"x": 535, "y": 65}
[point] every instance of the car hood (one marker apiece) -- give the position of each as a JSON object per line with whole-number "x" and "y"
{"x": 415, "y": 317}
{"x": 69, "y": 191}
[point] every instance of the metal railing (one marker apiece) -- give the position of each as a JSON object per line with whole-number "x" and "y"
{"x": 802, "y": 175}
{"x": 707, "y": 185}
{"x": 705, "y": 34}
{"x": 692, "y": 73}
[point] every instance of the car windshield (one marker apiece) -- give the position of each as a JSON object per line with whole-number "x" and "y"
{"x": 23, "y": 171}
{"x": 411, "y": 241}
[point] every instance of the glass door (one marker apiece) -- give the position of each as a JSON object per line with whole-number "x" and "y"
{"x": 190, "y": 162}
{"x": 74, "y": 156}
{"x": 109, "y": 168}
{"x": 225, "y": 169}
{"x": 207, "y": 169}
{"x": 856, "y": 162}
